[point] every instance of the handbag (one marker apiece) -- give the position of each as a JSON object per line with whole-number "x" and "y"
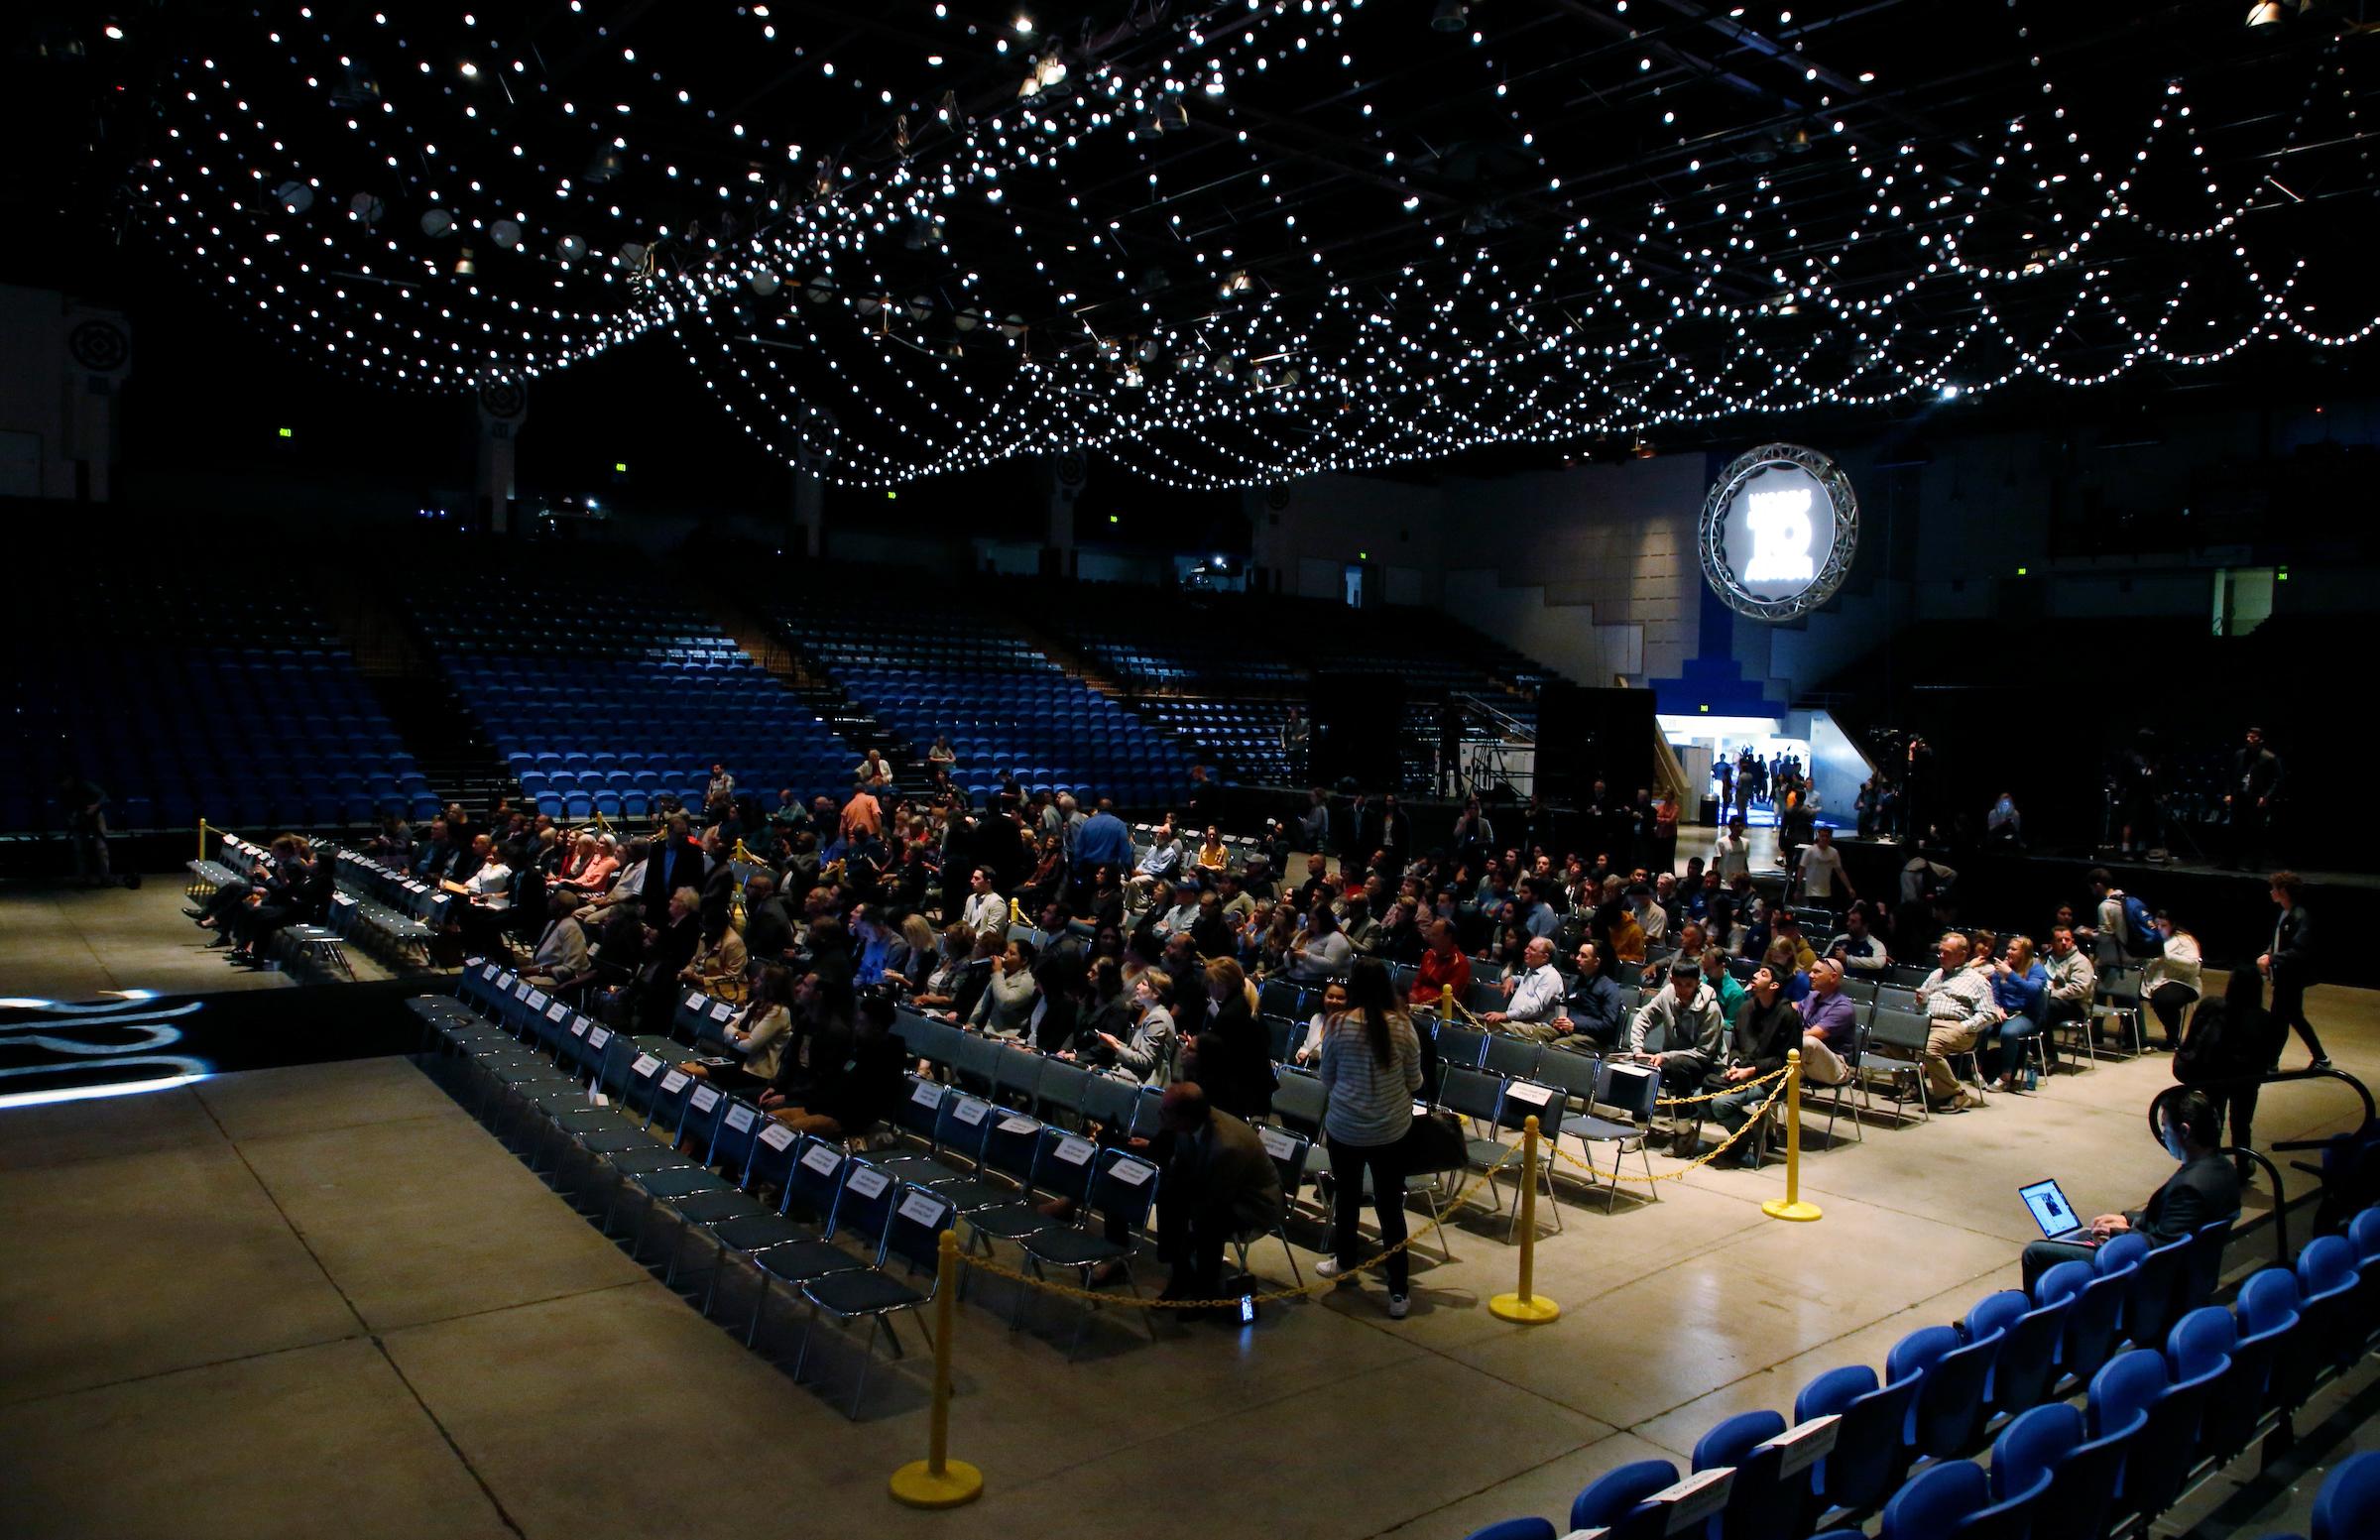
{"x": 1433, "y": 1143}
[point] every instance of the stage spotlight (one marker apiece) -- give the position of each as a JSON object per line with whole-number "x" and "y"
{"x": 1051, "y": 71}
{"x": 436, "y": 223}
{"x": 295, "y": 196}
{"x": 506, "y": 233}
{"x": 570, "y": 248}
{"x": 1448, "y": 16}
{"x": 2268, "y": 13}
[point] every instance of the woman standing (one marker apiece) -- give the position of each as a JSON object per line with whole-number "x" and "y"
{"x": 2232, "y": 1044}
{"x": 2171, "y": 980}
{"x": 1370, "y": 1068}
{"x": 1232, "y": 1055}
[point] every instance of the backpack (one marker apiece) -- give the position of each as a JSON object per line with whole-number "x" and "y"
{"x": 2140, "y": 930}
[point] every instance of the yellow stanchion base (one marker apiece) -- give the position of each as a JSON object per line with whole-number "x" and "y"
{"x": 1535, "y": 1310}
{"x": 918, "y": 1488}
{"x": 1778, "y": 1208}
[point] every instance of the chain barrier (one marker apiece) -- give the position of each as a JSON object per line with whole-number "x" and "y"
{"x": 1318, "y": 1287}
{"x": 1699, "y": 1161}
{"x": 1479, "y": 1021}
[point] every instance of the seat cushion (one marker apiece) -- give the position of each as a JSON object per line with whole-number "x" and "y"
{"x": 761, "y": 1232}
{"x": 866, "y": 1292}
{"x": 1011, "y": 1220}
{"x": 679, "y": 1182}
{"x": 802, "y": 1261}
{"x": 710, "y": 1207}
{"x": 1070, "y": 1247}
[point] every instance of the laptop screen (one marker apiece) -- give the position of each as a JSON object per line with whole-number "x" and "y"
{"x": 2050, "y": 1209}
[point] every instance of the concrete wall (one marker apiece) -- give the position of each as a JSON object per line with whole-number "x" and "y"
{"x": 57, "y": 428}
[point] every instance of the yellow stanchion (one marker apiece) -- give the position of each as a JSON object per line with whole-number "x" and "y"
{"x": 937, "y": 1481}
{"x": 202, "y": 839}
{"x": 1791, "y": 1205}
{"x": 1526, "y": 1306}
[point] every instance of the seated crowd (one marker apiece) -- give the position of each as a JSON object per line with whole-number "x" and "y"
{"x": 1040, "y": 919}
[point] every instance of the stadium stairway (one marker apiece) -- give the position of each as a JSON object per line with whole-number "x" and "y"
{"x": 460, "y": 762}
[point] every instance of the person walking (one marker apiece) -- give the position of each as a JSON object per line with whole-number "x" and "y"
{"x": 2290, "y": 965}
{"x": 1371, "y": 1069}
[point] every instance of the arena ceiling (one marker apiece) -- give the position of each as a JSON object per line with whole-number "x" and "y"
{"x": 1233, "y": 243}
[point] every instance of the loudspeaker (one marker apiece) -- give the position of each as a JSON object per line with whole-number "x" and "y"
{"x": 1358, "y": 721}
{"x": 1584, "y": 734}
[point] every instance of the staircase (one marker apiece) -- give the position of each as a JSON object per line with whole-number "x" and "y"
{"x": 1066, "y": 656}
{"x": 460, "y": 765}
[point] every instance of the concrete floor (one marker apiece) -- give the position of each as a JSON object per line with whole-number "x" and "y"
{"x": 295, "y": 1301}
{"x": 79, "y": 943}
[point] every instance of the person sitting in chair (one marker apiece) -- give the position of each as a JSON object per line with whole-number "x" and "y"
{"x": 1766, "y": 1026}
{"x": 2205, "y": 1190}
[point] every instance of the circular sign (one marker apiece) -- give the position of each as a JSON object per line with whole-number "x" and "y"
{"x": 99, "y": 346}
{"x": 1778, "y": 532}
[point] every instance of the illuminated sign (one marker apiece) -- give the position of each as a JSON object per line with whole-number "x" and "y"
{"x": 1778, "y": 532}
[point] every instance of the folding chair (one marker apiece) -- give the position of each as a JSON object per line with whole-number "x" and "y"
{"x": 1121, "y": 1193}
{"x": 911, "y": 1229}
{"x": 1629, "y": 1091}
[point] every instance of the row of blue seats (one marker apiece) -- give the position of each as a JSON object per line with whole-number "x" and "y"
{"x": 2198, "y": 1385}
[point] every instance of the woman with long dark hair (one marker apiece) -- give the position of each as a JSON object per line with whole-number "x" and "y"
{"x": 2229, "y": 1045}
{"x": 1370, "y": 1068}
{"x": 759, "y": 1034}
{"x": 1229, "y": 1055}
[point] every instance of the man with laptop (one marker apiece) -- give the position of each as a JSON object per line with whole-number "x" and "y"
{"x": 2204, "y": 1190}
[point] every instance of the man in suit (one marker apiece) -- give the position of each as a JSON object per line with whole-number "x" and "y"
{"x": 718, "y": 881}
{"x": 2290, "y": 965}
{"x": 2255, "y": 783}
{"x": 672, "y": 862}
{"x": 1219, "y": 1182}
{"x": 768, "y": 928}
{"x": 2204, "y": 1190}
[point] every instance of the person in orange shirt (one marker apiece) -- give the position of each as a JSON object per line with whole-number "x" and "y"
{"x": 1443, "y": 966}
{"x": 862, "y": 814}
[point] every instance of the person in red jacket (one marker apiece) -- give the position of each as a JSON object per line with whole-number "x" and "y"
{"x": 1443, "y": 966}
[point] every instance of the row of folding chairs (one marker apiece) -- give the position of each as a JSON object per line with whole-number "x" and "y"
{"x": 673, "y": 1143}
{"x": 390, "y": 910}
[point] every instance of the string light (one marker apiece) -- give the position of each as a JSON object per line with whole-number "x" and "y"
{"x": 836, "y": 303}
